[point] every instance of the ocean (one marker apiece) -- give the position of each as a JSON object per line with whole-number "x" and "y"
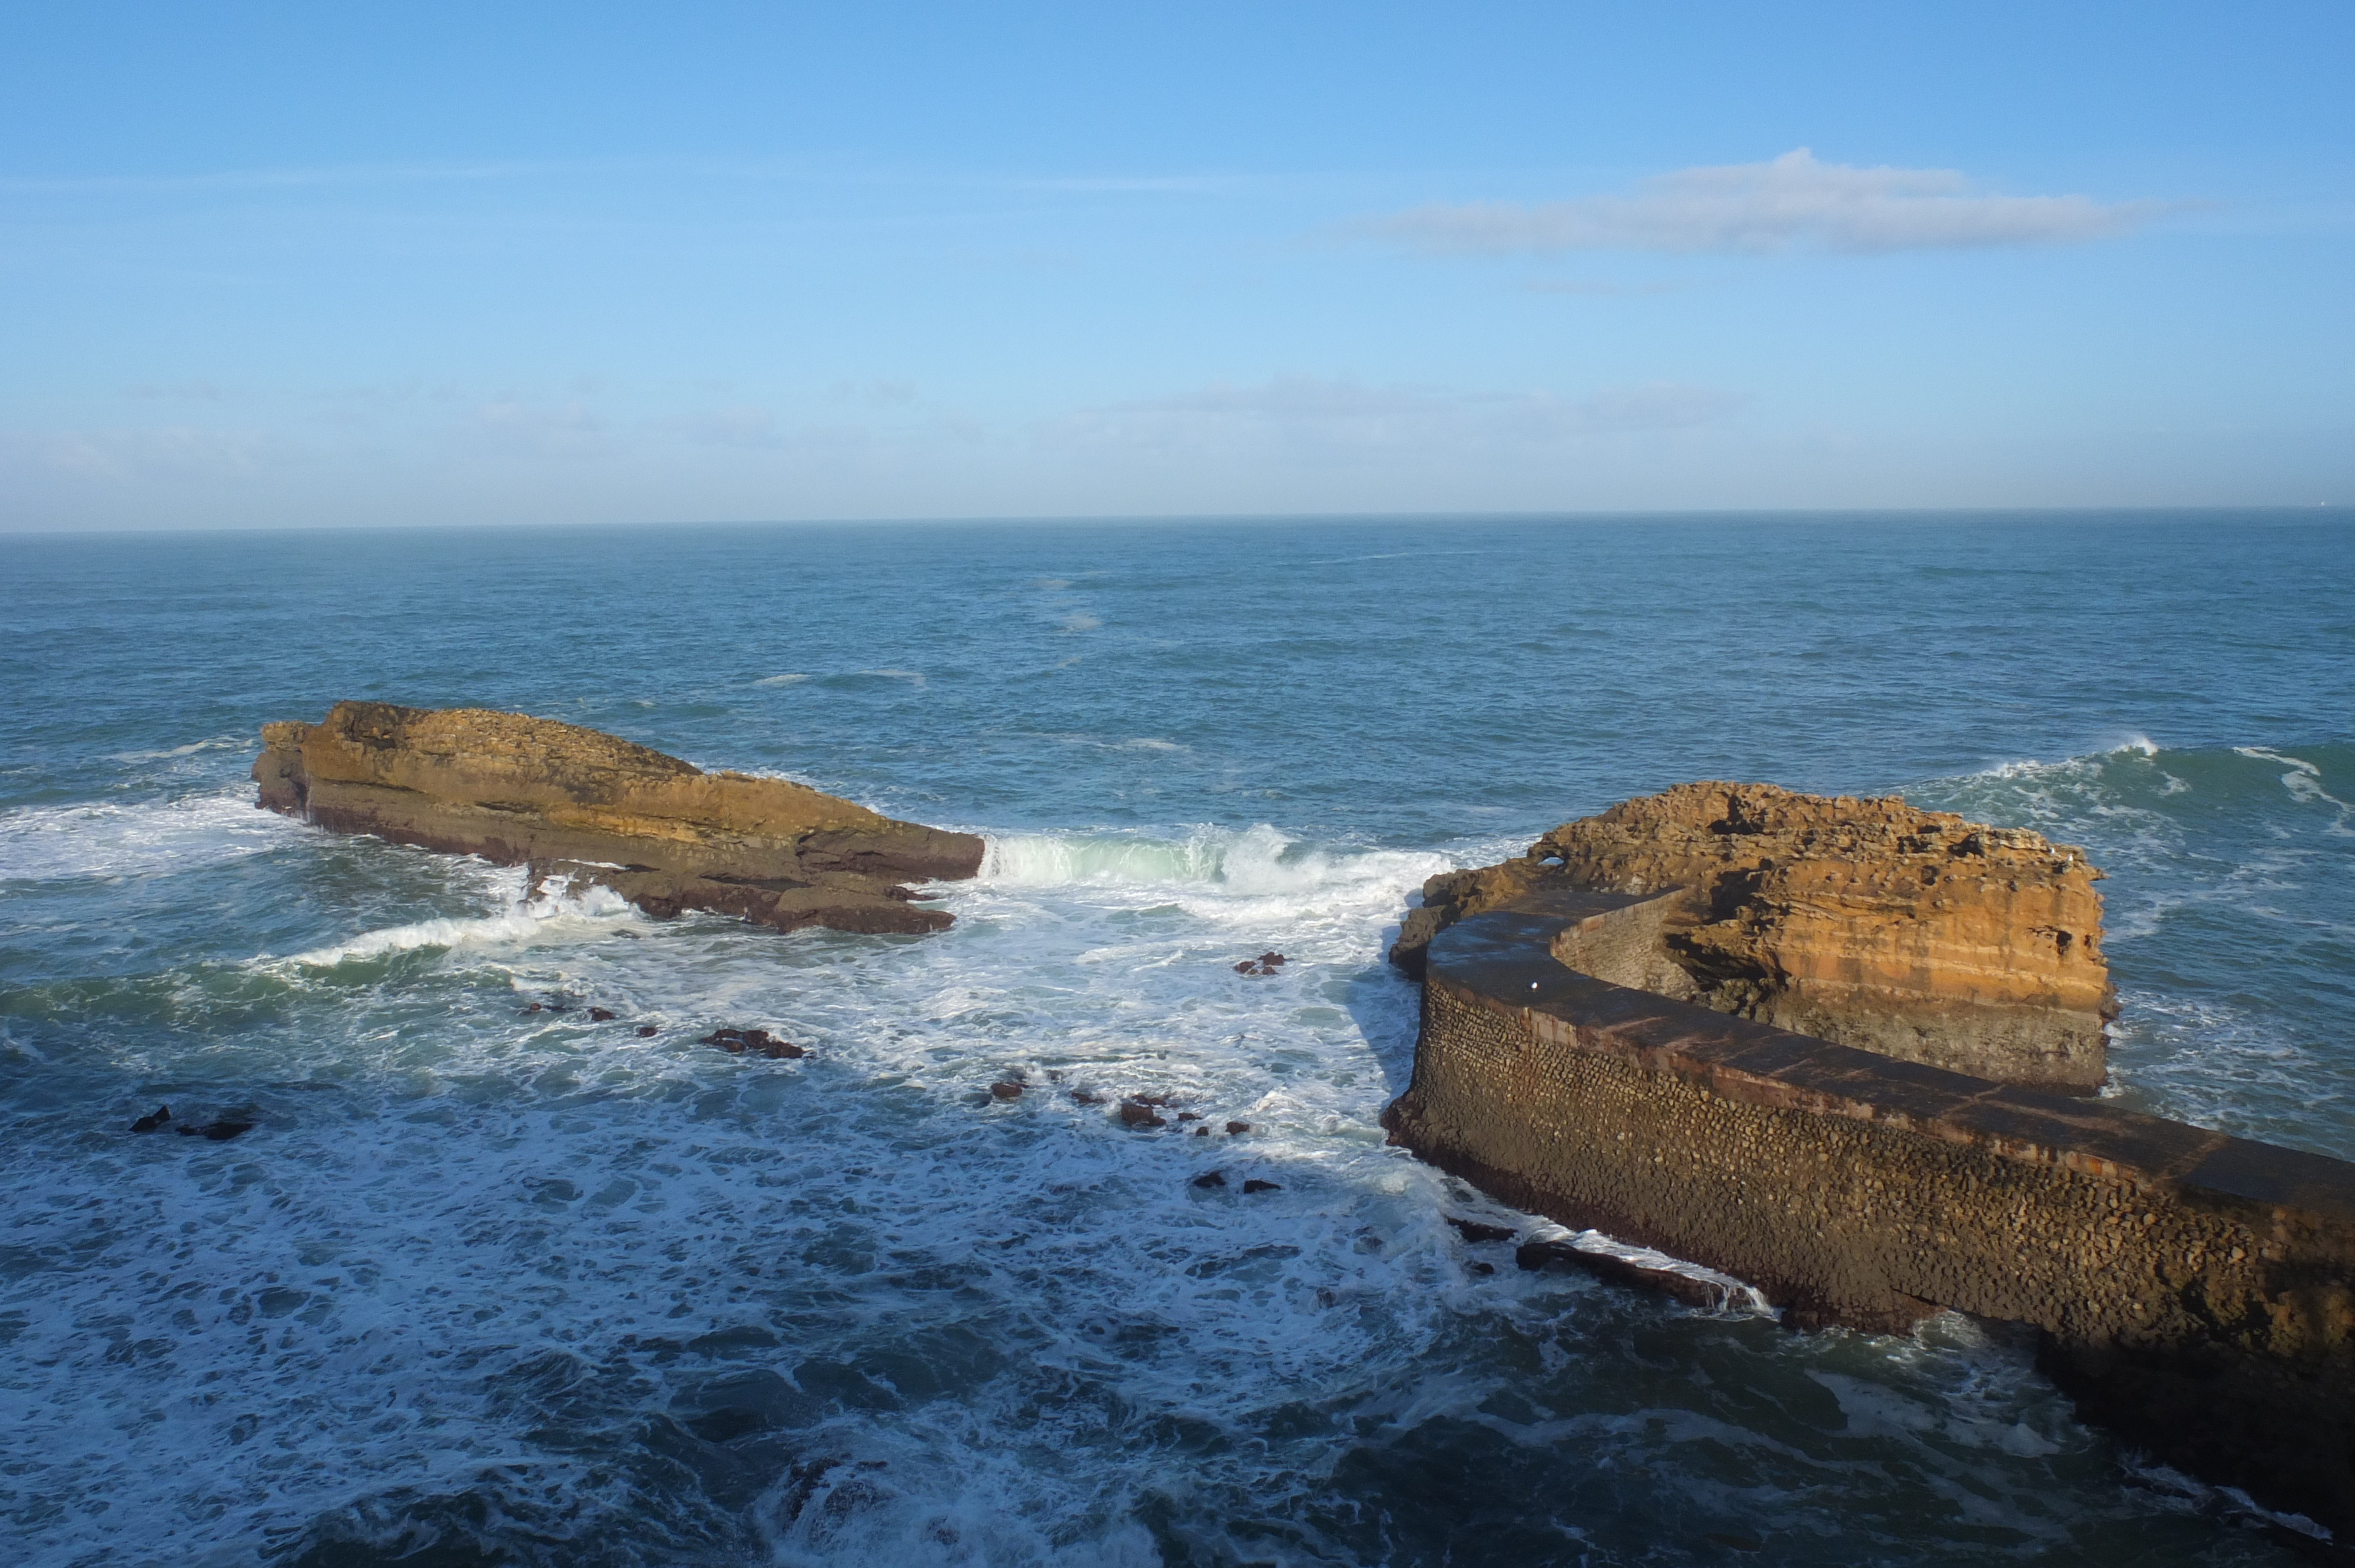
{"x": 491, "y": 1286}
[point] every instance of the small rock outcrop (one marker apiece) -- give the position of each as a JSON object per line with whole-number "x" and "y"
{"x": 575, "y": 803}
{"x": 1866, "y": 922}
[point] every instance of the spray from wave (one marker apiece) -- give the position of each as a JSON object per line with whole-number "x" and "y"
{"x": 535, "y": 918}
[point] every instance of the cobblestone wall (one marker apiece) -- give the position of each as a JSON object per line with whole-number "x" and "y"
{"x": 2197, "y": 1291}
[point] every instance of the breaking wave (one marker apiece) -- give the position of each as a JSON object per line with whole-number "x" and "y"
{"x": 106, "y": 841}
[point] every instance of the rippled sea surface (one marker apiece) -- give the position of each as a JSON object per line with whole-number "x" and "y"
{"x": 489, "y": 1286}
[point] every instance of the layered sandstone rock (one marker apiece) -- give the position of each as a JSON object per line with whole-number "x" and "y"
{"x": 578, "y": 803}
{"x": 1866, "y": 922}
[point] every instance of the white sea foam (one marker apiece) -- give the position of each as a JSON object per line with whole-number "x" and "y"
{"x": 54, "y": 844}
{"x": 546, "y": 915}
{"x": 2304, "y": 782}
{"x": 787, "y": 680}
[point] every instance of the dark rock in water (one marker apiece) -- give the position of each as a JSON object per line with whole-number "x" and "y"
{"x": 1235, "y": 1128}
{"x": 1189, "y": 1115}
{"x": 1474, "y": 1231}
{"x": 1009, "y": 1090}
{"x": 153, "y": 1120}
{"x": 1211, "y": 1179}
{"x": 601, "y": 1015}
{"x": 646, "y": 1031}
{"x": 1087, "y": 1098}
{"x": 1255, "y": 1185}
{"x": 535, "y": 1007}
{"x": 219, "y": 1131}
{"x": 1480, "y": 1267}
{"x": 1136, "y": 1113}
{"x": 600, "y": 810}
{"x": 1267, "y": 963}
{"x": 1202, "y": 1132}
{"x": 1540, "y": 1255}
{"x": 758, "y": 1042}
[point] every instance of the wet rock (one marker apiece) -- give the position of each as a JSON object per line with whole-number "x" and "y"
{"x": 754, "y": 1042}
{"x": 1256, "y": 1185}
{"x": 1211, "y": 1179}
{"x": 1480, "y": 1268}
{"x": 600, "y": 810}
{"x": 153, "y": 1119}
{"x": 601, "y": 1015}
{"x": 1538, "y": 1256}
{"x": 1138, "y": 1114}
{"x": 1202, "y": 1132}
{"x": 1009, "y": 1090}
{"x": 1235, "y": 1128}
{"x": 1189, "y": 1115}
{"x": 219, "y": 1131}
{"x": 1267, "y": 963}
{"x": 646, "y": 1031}
{"x": 1087, "y": 1098}
{"x": 1474, "y": 1231}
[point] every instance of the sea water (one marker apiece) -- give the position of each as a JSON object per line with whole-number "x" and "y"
{"x": 489, "y": 1285}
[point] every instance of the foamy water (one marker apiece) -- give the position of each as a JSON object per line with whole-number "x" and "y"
{"x": 486, "y": 1283}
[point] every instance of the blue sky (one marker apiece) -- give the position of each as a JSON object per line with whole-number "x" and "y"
{"x": 279, "y": 264}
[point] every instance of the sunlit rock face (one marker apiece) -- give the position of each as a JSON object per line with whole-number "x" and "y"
{"x": 593, "y": 808}
{"x": 1866, "y": 922}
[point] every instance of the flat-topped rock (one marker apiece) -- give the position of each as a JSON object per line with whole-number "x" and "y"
{"x": 1869, "y": 922}
{"x": 599, "y": 809}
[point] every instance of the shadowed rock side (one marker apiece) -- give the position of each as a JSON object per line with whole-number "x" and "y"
{"x": 1867, "y": 921}
{"x": 2194, "y": 1291}
{"x": 575, "y": 803}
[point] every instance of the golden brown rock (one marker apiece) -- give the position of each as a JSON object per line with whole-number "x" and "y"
{"x": 1869, "y": 922}
{"x": 595, "y": 807}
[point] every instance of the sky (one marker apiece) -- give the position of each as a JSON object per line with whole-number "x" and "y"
{"x": 280, "y": 265}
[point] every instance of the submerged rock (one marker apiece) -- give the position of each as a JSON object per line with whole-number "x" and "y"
{"x": 597, "y": 810}
{"x": 1474, "y": 1231}
{"x": 1539, "y": 1256}
{"x": 1255, "y": 1185}
{"x": 1007, "y": 1090}
{"x": 1866, "y": 922}
{"x": 754, "y": 1042}
{"x": 219, "y": 1131}
{"x": 1140, "y": 1114}
{"x": 1267, "y": 963}
{"x": 153, "y": 1119}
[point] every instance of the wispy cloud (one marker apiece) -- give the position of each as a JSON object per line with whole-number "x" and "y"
{"x": 1315, "y": 412}
{"x": 1789, "y": 203}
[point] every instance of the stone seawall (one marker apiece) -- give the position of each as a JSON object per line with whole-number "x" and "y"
{"x": 2195, "y": 1291}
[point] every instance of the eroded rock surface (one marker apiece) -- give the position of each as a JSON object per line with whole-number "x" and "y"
{"x": 1866, "y": 922}
{"x": 596, "y": 809}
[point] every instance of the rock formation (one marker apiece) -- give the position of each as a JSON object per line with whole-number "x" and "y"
{"x": 2193, "y": 1290}
{"x": 593, "y": 808}
{"x": 1866, "y": 922}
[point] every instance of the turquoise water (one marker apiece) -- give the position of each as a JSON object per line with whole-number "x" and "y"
{"x": 486, "y": 1285}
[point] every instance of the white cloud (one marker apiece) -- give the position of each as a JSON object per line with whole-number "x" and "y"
{"x": 1790, "y": 202}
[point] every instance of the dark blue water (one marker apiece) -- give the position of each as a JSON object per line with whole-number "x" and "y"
{"x": 489, "y": 1286}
